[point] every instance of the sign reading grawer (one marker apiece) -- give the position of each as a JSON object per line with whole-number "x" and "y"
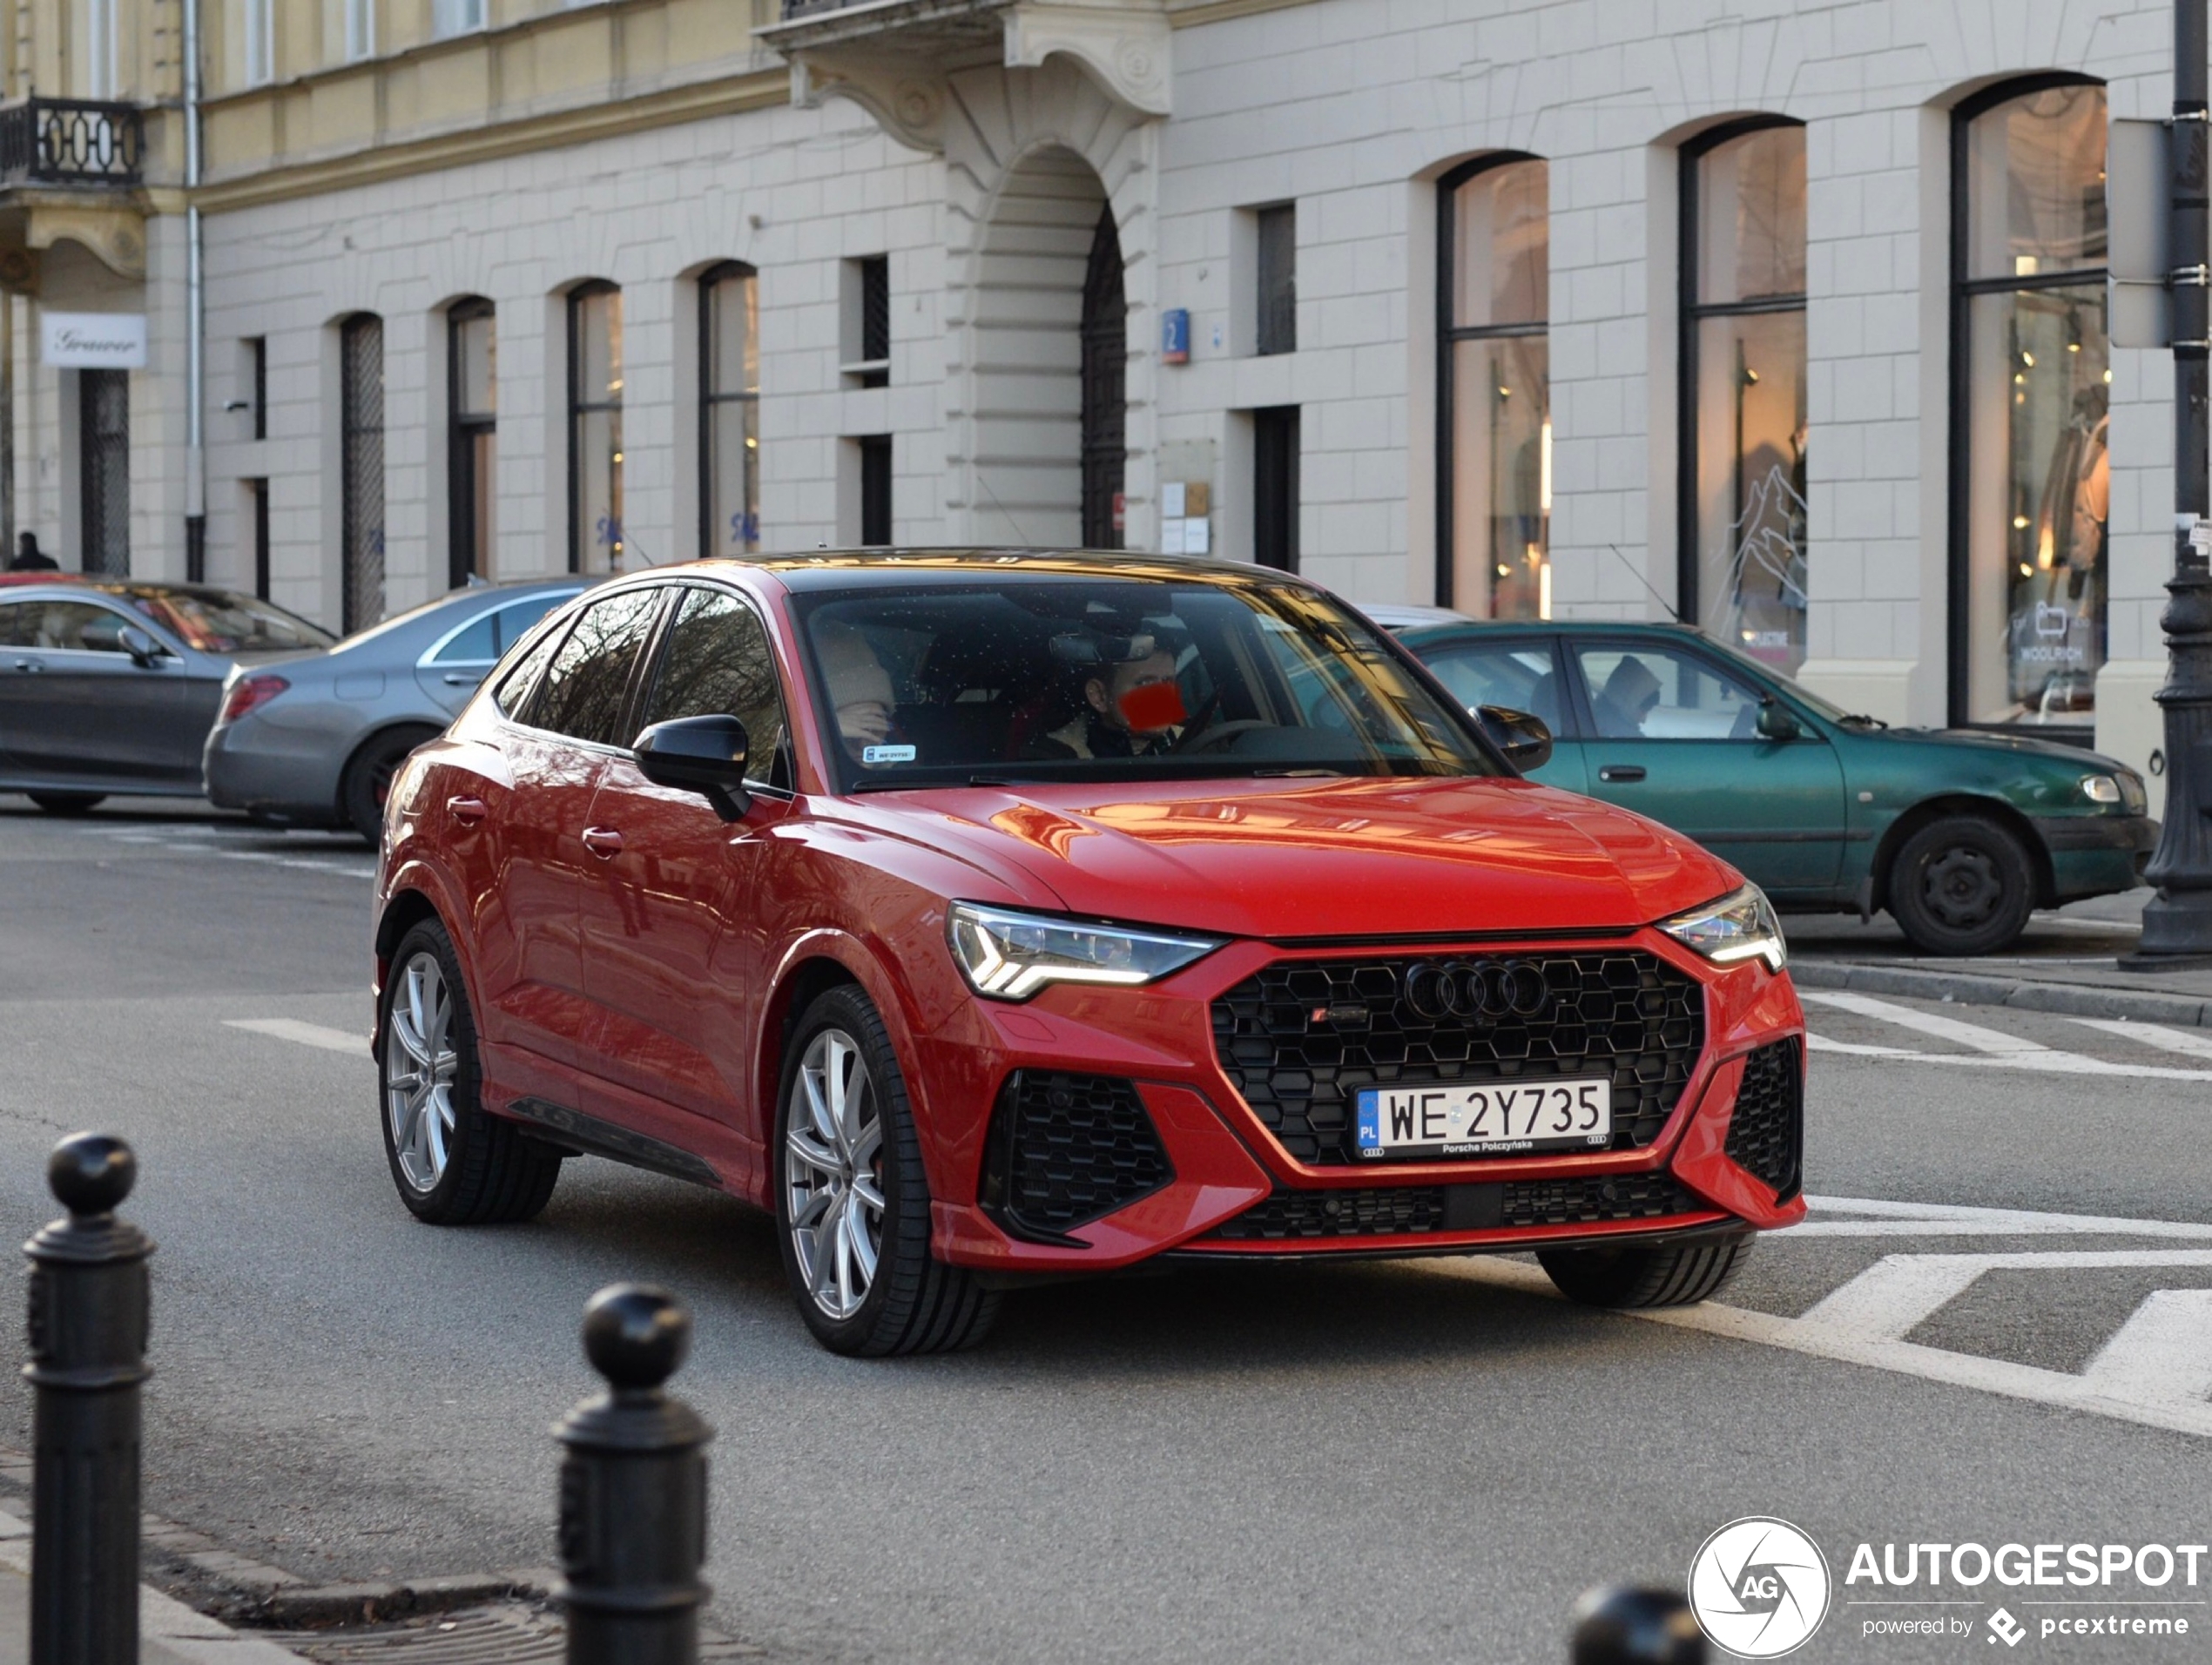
{"x": 95, "y": 340}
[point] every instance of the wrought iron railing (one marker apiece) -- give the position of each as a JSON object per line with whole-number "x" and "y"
{"x": 71, "y": 141}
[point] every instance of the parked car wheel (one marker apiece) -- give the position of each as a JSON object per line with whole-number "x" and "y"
{"x": 367, "y": 780}
{"x": 851, "y": 1200}
{"x": 1961, "y": 885}
{"x": 67, "y": 803}
{"x": 454, "y": 1162}
{"x": 1641, "y": 1275}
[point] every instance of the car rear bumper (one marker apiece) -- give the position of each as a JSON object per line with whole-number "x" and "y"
{"x": 277, "y": 774}
{"x": 1178, "y": 1160}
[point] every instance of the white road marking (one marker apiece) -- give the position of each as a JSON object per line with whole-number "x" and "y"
{"x": 2195, "y": 1042}
{"x": 308, "y": 1034}
{"x": 1957, "y": 1220}
{"x": 207, "y": 839}
{"x": 1900, "y": 1292}
{"x": 1905, "y": 1358}
{"x": 2163, "y": 1352}
{"x": 2043, "y": 1063}
{"x": 1994, "y": 1042}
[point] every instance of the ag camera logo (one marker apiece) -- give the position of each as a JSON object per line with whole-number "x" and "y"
{"x": 1759, "y": 1588}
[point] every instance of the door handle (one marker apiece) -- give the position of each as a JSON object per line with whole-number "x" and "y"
{"x": 1620, "y": 771}
{"x": 460, "y": 679}
{"x": 29, "y": 664}
{"x": 467, "y": 811}
{"x": 602, "y": 841}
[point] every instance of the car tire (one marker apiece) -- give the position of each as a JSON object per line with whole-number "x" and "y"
{"x": 454, "y": 1162}
{"x": 367, "y": 779}
{"x": 1645, "y": 1275}
{"x": 849, "y": 1184}
{"x": 1962, "y": 885}
{"x": 67, "y": 803}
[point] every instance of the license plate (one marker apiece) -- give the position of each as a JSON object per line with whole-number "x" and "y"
{"x": 1484, "y": 1119}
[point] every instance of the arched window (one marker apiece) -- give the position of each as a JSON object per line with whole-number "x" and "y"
{"x": 1741, "y": 489}
{"x": 729, "y": 409}
{"x": 2031, "y": 379}
{"x": 472, "y": 453}
{"x": 360, "y": 437}
{"x": 595, "y": 427}
{"x": 1105, "y": 396}
{"x": 1494, "y": 388}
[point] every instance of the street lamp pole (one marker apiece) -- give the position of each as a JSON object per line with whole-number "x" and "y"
{"x": 2177, "y": 923}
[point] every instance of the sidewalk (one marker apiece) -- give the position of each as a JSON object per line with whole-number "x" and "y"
{"x": 169, "y": 1631}
{"x": 2065, "y": 963}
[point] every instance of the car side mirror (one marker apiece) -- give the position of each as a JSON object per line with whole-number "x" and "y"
{"x": 144, "y": 652}
{"x": 704, "y": 755}
{"x": 1524, "y": 739}
{"x": 1776, "y": 722}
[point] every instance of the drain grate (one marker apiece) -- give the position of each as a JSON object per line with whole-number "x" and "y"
{"x": 509, "y": 1633}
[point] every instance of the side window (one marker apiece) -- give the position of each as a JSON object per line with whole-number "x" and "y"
{"x": 583, "y": 692}
{"x": 1661, "y": 693}
{"x": 718, "y": 662}
{"x": 478, "y": 644}
{"x": 1520, "y": 676}
{"x": 514, "y": 689}
{"x": 60, "y": 624}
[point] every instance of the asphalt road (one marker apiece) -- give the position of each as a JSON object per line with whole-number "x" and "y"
{"x": 1410, "y": 1462}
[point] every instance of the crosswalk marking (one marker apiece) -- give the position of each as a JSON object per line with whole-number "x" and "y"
{"x": 1898, "y": 1293}
{"x": 2197, "y": 1045}
{"x": 2163, "y": 1352}
{"x": 1993, "y": 1042}
{"x": 206, "y": 841}
{"x": 308, "y": 1034}
{"x": 1830, "y": 1218}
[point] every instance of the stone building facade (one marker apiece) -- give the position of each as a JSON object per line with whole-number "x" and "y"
{"x": 1786, "y": 314}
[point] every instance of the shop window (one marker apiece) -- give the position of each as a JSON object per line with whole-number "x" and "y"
{"x": 1493, "y": 383}
{"x": 2031, "y": 382}
{"x": 1743, "y": 385}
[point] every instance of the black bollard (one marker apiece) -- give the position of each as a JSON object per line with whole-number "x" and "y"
{"x": 1622, "y": 1626}
{"x": 633, "y": 1490}
{"x": 91, "y": 1304}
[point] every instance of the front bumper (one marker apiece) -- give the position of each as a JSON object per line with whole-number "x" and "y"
{"x": 2095, "y": 855}
{"x": 1226, "y": 1183}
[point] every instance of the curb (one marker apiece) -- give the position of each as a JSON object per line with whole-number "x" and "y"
{"x": 1976, "y": 988}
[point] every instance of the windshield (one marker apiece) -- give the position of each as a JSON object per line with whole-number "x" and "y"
{"x": 1827, "y": 708}
{"x": 1115, "y": 678}
{"x": 222, "y": 621}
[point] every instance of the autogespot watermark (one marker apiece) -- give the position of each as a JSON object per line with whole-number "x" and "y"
{"x": 1761, "y": 1587}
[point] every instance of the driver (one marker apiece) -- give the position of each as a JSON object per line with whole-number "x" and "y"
{"x": 1106, "y": 723}
{"x": 1629, "y": 697}
{"x": 860, "y": 687}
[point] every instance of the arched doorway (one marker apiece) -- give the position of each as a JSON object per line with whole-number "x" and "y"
{"x": 1051, "y": 360}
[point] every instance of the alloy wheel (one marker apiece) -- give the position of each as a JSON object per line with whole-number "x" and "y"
{"x": 1962, "y": 886}
{"x": 420, "y": 1062}
{"x": 833, "y": 1173}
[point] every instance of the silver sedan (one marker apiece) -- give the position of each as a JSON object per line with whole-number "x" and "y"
{"x": 313, "y": 741}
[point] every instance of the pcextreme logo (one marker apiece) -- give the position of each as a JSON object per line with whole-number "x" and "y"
{"x": 1759, "y": 1588}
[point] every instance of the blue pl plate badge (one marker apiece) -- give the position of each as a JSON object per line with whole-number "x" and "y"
{"x": 1370, "y": 1121}
{"x": 887, "y": 754}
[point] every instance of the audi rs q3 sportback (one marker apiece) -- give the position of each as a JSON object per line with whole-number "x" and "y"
{"x": 995, "y": 914}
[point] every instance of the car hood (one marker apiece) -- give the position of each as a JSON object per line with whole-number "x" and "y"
{"x": 1363, "y": 857}
{"x": 2027, "y": 745}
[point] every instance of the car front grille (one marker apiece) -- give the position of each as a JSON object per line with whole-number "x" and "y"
{"x": 1766, "y": 1134}
{"x": 1413, "y": 1210}
{"x": 1065, "y": 1149}
{"x": 1301, "y": 1037}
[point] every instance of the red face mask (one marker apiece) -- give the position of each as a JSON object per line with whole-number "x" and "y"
{"x": 1153, "y": 706}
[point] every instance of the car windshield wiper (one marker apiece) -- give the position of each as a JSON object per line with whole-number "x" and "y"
{"x": 1860, "y": 720}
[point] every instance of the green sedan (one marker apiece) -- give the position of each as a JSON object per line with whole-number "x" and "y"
{"x": 1958, "y": 833}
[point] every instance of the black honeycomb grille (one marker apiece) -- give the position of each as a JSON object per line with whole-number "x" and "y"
{"x": 1626, "y": 1015}
{"x": 1066, "y": 1150}
{"x": 1766, "y": 1134}
{"x": 1412, "y": 1210}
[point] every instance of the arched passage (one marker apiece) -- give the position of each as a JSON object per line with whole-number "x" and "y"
{"x": 1051, "y": 357}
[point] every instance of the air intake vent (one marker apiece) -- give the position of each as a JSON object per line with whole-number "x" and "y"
{"x": 1067, "y": 1149}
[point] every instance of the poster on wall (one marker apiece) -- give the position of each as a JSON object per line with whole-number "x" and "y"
{"x": 94, "y": 340}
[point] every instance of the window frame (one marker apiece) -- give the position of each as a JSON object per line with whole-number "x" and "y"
{"x": 429, "y": 657}
{"x": 648, "y": 649}
{"x": 1690, "y": 312}
{"x": 463, "y": 429}
{"x": 647, "y": 681}
{"x": 1449, "y": 334}
{"x": 710, "y": 397}
{"x": 1721, "y": 669}
{"x": 123, "y": 615}
{"x": 1959, "y": 527}
{"x": 579, "y": 408}
{"x": 1510, "y": 636}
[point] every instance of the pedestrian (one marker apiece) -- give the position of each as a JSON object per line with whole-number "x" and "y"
{"x": 31, "y": 558}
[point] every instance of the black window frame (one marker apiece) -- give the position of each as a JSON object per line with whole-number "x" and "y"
{"x": 258, "y": 531}
{"x": 463, "y": 559}
{"x": 1957, "y": 528}
{"x": 1449, "y": 334}
{"x": 876, "y": 461}
{"x": 257, "y": 354}
{"x": 1278, "y": 444}
{"x": 626, "y": 708}
{"x": 711, "y": 396}
{"x": 358, "y": 462}
{"x": 1274, "y": 292}
{"x": 1689, "y": 313}
{"x": 579, "y": 408}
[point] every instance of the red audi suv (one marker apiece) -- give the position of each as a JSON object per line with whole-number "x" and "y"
{"x": 989, "y": 915}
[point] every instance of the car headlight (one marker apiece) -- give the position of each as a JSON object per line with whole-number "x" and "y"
{"x": 1741, "y": 926}
{"x": 2100, "y": 789}
{"x": 1009, "y": 956}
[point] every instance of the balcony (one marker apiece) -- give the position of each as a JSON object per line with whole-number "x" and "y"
{"x": 71, "y": 142}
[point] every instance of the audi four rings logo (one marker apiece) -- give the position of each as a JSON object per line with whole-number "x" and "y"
{"x": 1484, "y": 990}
